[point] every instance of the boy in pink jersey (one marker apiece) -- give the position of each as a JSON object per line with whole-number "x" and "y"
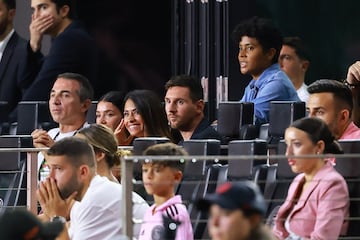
{"x": 160, "y": 178}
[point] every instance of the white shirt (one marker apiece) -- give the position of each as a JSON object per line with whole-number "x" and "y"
{"x": 4, "y": 42}
{"x": 98, "y": 214}
{"x": 302, "y": 92}
{"x": 56, "y": 135}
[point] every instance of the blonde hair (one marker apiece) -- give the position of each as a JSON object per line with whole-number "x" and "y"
{"x": 102, "y": 139}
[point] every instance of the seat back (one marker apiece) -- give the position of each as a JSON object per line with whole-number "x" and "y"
{"x": 13, "y": 172}
{"x": 245, "y": 169}
{"x": 199, "y": 178}
{"x": 142, "y": 143}
{"x": 349, "y": 168}
{"x": 32, "y": 115}
{"x": 282, "y": 114}
{"x": 201, "y": 147}
{"x": 91, "y": 113}
{"x": 278, "y": 180}
{"x": 233, "y": 115}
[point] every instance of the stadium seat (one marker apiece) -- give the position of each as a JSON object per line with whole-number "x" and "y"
{"x": 232, "y": 116}
{"x": 199, "y": 178}
{"x": 13, "y": 172}
{"x": 349, "y": 168}
{"x": 247, "y": 168}
{"x": 91, "y": 114}
{"x": 278, "y": 179}
{"x": 32, "y": 115}
{"x": 282, "y": 114}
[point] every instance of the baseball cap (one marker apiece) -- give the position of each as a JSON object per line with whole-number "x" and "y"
{"x": 243, "y": 195}
{"x": 21, "y": 224}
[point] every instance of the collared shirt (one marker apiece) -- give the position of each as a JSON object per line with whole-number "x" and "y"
{"x": 351, "y": 132}
{"x": 272, "y": 85}
{"x": 173, "y": 208}
{"x": 4, "y": 42}
{"x": 303, "y": 93}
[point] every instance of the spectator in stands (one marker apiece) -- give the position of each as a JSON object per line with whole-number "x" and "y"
{"x": 144, "y": 116}
{"x": 317, "y": 203}
{"x": 294, "y": 60}
{"x": 109, "y": 109}
{"x": 160, "y": 178}
{"x": 105, "y": 146}
{"x": 21, "y": 224}
{"x": 103, "y": 140}
{"x": 259, "y": 48}
{"x": 353, "y": 82}
{"x": 96, "y": 214}
{"x": 70, "y": 99}
{"x": 12, "y": 50}
{"x": 184, "y": 105}
{"x": 236, "y": 212}
{"x": 72, "y": 48}
{"x": 109, "y": 112}
{"x": 332, "y": 101}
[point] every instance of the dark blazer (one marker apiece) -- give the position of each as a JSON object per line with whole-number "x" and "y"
{"x": 11, "y": 84}
{"x": 73, "y": 50}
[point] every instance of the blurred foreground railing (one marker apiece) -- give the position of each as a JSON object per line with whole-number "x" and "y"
{"x": 129, "y": 164}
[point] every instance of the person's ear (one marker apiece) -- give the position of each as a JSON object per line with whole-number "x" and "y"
{"x": 64, "y": 11}
{"x": 99, "y": 155}
{"x": 344, "y": 115}
{"x": 85, "y": 105}
{"x": 320, "y": 146}
{"x": 270, "y": 54}
{"x": 178, "y": 175}
{"x": 84, "y": 171}
{"x": 200, "y": 105}
{"x": 12, "y": 13}
{"x": 305, "y": 65}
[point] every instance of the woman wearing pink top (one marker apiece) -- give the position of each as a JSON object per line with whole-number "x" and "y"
{"x": 317, "y": 203}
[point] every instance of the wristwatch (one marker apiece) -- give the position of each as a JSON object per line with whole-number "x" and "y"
{"x": 58, "y": 218}
{"x": 351, "y": 85}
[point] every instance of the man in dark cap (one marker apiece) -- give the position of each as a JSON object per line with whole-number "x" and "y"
{"x": 236, "y": 212}
{"x": 23, "y": 225}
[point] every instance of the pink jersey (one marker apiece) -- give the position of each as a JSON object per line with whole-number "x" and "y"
{"x": 351, "y": 132}
{"x": 153, "y": 222}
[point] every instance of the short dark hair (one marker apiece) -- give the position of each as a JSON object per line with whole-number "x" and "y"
{"x": 167, "y": 149}
{"x": 340, "y": 91}
{"x": 263, "y": 30}
{"x": 78, "y": 150}
{"x": 114, "y": 97}
{"x": 70, "y": 3}
{"x": 86, "y": 91}
{"x": 299, "y": 46}
{"x": 194, "y": 85}
{"x": 10, "y": 4}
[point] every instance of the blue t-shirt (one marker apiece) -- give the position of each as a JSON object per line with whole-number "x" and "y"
{"x": 272, "y": 85}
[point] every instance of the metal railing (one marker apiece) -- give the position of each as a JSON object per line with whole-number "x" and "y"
{"x": 127, "y": 169}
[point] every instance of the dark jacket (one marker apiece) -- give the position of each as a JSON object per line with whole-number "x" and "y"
{"x": 203, "y": 131}
{"x": 11, "y": 81}
{"x": 73, "y": 50}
